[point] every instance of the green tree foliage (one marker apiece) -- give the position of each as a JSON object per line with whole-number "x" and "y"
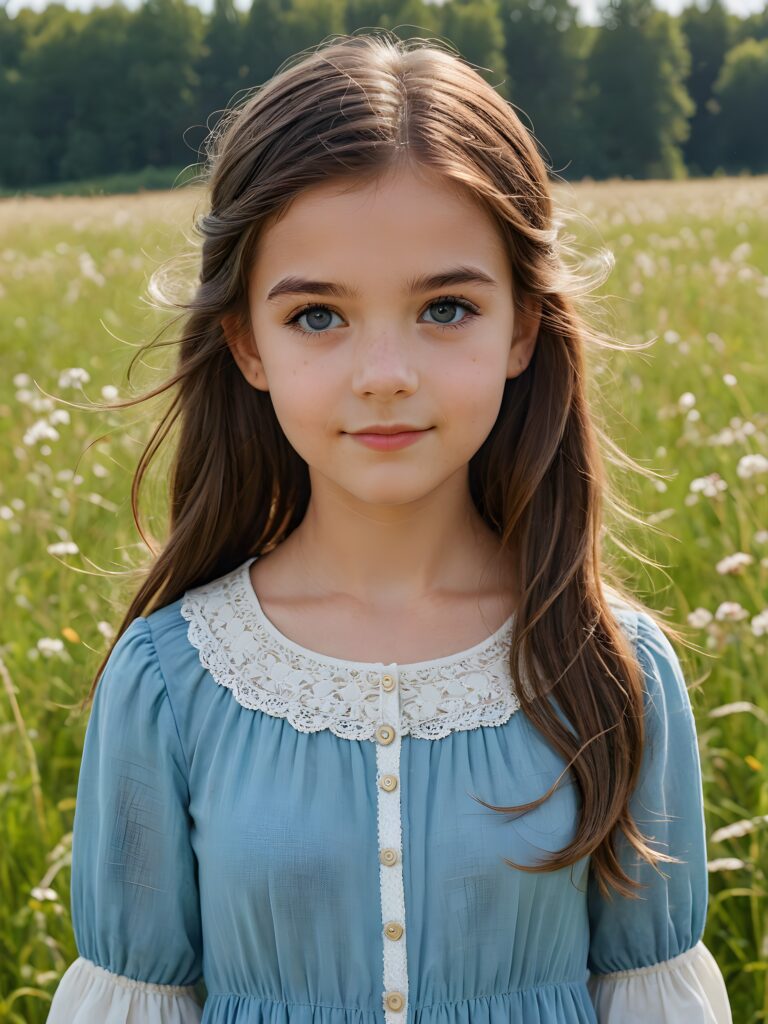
{"x": 741, "y": 90}
{"x": 265, "y": 43}
{"x": 86, "y": 95}
{"x": 408, "y": 18}
{"x": 754, "y": 26}
{"x": 165, "y": 40}
{"x": 221, "y": 68}
{"x": 635, "y": 104}
{"x": 47, "y": 75}
{"x": 544, "y": 50}
{"x": 474, "y": 27}
{"x": 707, "y": 35}
{"x": 96, "y": 140}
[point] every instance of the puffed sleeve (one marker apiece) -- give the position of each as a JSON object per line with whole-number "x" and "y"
{"x": 647, "y": 960}
{"x": 134, "y": 893}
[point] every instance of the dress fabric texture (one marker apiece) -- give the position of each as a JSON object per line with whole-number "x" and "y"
{"x": 265, "y": 834}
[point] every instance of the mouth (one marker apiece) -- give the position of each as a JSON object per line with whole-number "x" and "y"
{"x": 390, "y": 428}
{"x": 389, "y": 442}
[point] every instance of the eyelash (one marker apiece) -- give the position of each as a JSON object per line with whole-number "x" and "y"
{"x": 465, "y": 304}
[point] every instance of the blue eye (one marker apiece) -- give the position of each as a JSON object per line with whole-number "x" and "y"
{"x": 293, "y": 322}
{"x": 445, "y": 300}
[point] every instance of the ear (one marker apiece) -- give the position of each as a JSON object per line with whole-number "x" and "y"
{"x": 242, "y": 345}
{"x": 526, "y": 332}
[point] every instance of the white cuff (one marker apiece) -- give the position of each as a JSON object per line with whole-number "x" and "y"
{"x": 89, "y": 994}
{"x": 687, "y": 989}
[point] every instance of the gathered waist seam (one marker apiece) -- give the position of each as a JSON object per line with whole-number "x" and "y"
{"x": 568, "y": 983}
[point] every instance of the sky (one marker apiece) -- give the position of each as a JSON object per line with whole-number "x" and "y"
{"x": 588, "y": 8}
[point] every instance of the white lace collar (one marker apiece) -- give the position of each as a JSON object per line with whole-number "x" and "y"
{"x": 267, "y": 671}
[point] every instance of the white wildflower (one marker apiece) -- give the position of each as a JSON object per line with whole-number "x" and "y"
{"x": 734, "y": 563}
{"x": 699, "y": 618}
{"x": 725, "y": 864}
{"x": 738, "y": 829}
{"x": 741, "y": 252}
{"x": 74, "y": 376}
{"x": 50, "y": 645}
{"x": 41, "y": 430}
{"x": 750, "y": 465}
{"x": 709, "y": 485}
{"x": 725, "y": 437}
{"x": 44, "y": 894}
{"x": 63, "y": 547}
{"x": 730, "y": 611}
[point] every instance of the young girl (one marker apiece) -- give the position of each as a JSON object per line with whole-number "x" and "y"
{"x": 377, "y": 739}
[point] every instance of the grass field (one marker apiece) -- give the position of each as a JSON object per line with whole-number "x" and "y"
{"x": 690, "y": 270}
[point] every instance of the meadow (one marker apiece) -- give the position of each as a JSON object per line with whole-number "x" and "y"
{"x": 689, "y": 285}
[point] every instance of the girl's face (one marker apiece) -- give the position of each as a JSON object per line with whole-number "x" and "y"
{"x": 347, "y": 331}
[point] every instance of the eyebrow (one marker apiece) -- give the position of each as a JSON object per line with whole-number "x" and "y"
{"x": 423, "y": 283}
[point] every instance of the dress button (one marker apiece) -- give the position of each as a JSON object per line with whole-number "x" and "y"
{"x": 388, "y": 782}
{"x": 385, "y": 734}
{"x": 394, "y": 1000}
{"x": 393, "y": 930}
{"x": 388, "y": 856}
{"x": 388, "y": 683}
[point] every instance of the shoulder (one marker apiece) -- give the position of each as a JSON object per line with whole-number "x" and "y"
{"x": 151, "y": 650}
{"x": 167, "y": 629}
{"x": 627, "y": 618}
{"x": 648, "y": 639}
{"x": 151, "y": 666}
{"x": 178, "y": 659}
{"x": 667, "y": 700}
{"x": 183, "y": 633}
{"x": 665, "y": 684}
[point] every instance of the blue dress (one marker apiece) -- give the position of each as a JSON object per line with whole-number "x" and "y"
{"x": 298, "y": 833}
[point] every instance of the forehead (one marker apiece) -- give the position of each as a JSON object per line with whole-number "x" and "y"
{"x": 414, "y": 217}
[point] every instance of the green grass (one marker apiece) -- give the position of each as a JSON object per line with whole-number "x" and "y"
{"x": 149, "y": 179}
{"x": 72, "y": 275}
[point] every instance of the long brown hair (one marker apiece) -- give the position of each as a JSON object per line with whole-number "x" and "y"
{"x": 352, "y": 108}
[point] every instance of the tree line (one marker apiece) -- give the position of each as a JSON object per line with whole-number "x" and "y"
{"x": 643, "y": 94}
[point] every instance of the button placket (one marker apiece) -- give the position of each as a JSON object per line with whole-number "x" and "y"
{"x": 392, "y": 891}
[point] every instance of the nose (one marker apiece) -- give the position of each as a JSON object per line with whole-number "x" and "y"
{"x": 384, "y": 363}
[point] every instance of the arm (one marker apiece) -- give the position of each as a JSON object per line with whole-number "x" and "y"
{"x": 134, "y": 897}
{"x": 647, "y": 958}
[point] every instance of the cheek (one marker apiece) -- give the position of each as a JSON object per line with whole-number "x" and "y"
{"x": 471, "y": 393}
{"x": 300, "y": 398}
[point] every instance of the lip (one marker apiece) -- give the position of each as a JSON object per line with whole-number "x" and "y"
{"x": 390, "y": 442}
{"x": 389, "y": 428}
